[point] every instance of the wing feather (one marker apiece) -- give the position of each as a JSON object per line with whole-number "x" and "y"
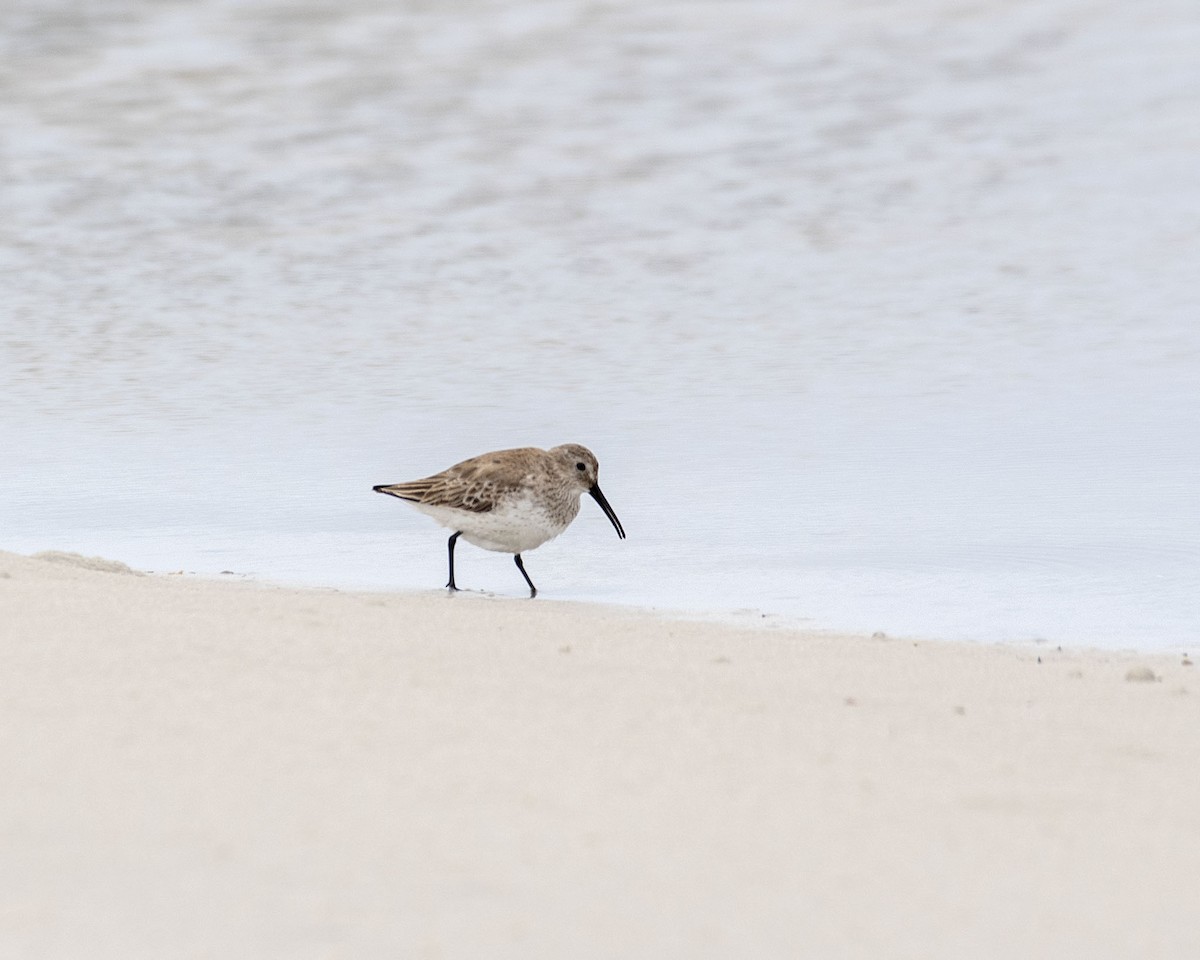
{"x": 476, "y": 485}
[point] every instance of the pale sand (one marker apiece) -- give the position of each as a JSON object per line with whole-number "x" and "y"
{"x": 213, "y": 769}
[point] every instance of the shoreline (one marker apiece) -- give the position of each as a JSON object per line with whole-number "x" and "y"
{"x": 742, "y": 618}
{"x": 202, "y": 767}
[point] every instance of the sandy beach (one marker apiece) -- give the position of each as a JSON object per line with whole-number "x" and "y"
{"x": 198, "y": 768}
{"x": 879, "y": 316}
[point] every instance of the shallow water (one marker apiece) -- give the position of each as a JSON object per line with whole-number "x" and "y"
{"x": 879, "y": 316}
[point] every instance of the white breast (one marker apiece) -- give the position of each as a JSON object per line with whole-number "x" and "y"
{"x": 514, "y": 526}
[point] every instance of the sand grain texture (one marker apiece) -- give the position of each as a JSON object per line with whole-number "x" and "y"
{"x": 203, "y": 769}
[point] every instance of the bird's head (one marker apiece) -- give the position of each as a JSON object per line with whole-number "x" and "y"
{"x": 580, "y": 465}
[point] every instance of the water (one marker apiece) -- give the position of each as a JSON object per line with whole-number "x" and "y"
{"x": 879, "y": 316}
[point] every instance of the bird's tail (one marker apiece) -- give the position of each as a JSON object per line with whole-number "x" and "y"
{"x": 405, "y": 491}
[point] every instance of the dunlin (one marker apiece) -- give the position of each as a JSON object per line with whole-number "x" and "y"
{"x": 509, "y": 501}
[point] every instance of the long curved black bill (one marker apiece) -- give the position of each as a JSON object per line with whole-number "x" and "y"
{"x": 608, "y": 511}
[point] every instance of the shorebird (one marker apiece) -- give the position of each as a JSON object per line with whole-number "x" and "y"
{"x": 508, "y": 501}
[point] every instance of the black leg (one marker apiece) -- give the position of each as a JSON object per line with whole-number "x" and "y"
{"x": 451, "y": 584}
{"x": 521, "y": 567}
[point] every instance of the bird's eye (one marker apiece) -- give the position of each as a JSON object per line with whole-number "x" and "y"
{"x": 580, "y": 466}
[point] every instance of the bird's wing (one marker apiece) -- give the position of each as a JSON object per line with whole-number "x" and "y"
{"x": 477, "y": 484}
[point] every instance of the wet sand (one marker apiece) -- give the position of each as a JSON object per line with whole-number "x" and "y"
{"x": 199, "y": 768}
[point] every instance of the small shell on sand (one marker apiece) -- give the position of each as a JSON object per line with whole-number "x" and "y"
{"x": 1141, "y": 675}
